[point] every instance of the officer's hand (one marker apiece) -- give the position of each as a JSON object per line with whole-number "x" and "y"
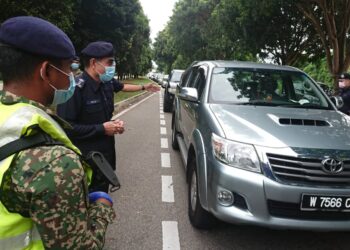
{"x": 119, "y": 126}
{"x": 110, "y": 128}
{"x": 100, "y": 197}
{"x": 151, "y": 87}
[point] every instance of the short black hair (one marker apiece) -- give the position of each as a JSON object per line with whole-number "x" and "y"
{"x": 16, "y": 65}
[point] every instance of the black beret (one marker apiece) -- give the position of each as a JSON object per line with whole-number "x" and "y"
{"x": 98, "y": 49}
{"x": 344, "y": 76}
{"x": 36, "y": 36}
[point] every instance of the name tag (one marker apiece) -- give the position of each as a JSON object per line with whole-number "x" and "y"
{"x": 90, "y": 102}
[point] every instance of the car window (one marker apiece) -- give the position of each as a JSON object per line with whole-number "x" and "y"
{"x": 192, "y": 77}
{"x": 263, "y": 86}
{"x": 176, "y": 76}
{"x": 199, "y": 82}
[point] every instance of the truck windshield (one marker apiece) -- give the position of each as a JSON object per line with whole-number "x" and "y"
{"x": 246, "y": 86}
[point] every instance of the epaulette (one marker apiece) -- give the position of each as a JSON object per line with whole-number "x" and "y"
{"x": 80, "y": 82}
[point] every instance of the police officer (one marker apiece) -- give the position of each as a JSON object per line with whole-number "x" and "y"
{"x": 91, "y": 108}
{"x": 44, "y": 201}
{"x": 344, "y": 92}
{"x": 75, "y": 66}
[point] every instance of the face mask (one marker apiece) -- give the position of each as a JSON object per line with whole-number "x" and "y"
{"x": 341, "y": 85}
{"x": 109, "y": 73}
{"x": 63, "y": 95}
{"x": 74, "y": 66}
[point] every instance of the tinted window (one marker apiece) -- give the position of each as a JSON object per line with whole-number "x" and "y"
{"x": 272, "y": 87}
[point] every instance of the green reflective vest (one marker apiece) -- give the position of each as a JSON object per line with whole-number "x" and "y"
{"x": 16, "y": 231}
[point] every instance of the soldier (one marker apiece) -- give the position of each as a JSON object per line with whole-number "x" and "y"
{"x": 91, "y": 108}
{"x": 44, "y": 201}
{"x": 344, "y": 92}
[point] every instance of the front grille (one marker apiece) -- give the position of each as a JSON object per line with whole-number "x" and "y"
{"x": 292, "y": 211}
{"x": 289, "y": 169}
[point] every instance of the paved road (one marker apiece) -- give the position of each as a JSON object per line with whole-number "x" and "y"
{"x": 151, "y": 216}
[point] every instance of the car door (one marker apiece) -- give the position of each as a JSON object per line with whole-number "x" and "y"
{"x": 190, "y": 109}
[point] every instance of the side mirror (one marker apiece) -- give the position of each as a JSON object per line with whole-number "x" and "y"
{"x": 188, "y": 94}
{"x": 337, "y": 101}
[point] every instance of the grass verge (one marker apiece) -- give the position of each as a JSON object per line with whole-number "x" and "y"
{"x": 120, "y": 96}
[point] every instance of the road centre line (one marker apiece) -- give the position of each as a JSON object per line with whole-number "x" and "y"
{"x": 163, "y": 130}
{"x": 164, "y": 143}
{"x": 165, "y": 160}
{"x": 167, "y": 189}
{"x": 171, "y": 240}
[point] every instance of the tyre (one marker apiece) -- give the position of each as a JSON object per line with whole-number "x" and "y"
{"x": 174, "y": 133}
{"x": 199, "y": 217}
{"x": 167, "y": 102}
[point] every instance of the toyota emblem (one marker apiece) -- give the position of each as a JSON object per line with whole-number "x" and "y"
{"x": 332, "y": 166}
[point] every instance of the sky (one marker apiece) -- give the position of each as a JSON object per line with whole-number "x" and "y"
{"x": 158, "y": 12}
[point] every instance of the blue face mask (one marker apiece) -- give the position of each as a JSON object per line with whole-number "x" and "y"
{"x": 74, "y": 66}
{"x": 109, "y": 73}
{"x": 63, "y": 95}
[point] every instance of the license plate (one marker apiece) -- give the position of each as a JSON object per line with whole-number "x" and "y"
{"x": 325, "y": 203}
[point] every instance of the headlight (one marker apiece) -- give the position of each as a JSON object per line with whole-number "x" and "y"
{"x": 235, "y": 154}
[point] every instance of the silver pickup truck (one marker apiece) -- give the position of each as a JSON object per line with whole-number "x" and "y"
{"x": 263, "y": 145}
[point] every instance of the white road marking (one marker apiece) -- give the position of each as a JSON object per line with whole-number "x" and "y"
{"x": 161, "y": 111}
{"x": 167, "y": 189}
{"x": 162, "y": 130}
{"x": 133, "y": 106}
{"x": 162, "y": 116}
{"x": 165, "y": 159}
{"x": 164, "y": 143}
{"x": 162, "y": 122}
{"x": 171, "y": 240}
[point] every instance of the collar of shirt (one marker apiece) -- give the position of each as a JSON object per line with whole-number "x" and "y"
{"x": 95, "y": 86}
{"x": 8, "y": 98}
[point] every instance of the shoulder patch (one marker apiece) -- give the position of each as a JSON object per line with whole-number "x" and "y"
{"x": 80, "y": 82}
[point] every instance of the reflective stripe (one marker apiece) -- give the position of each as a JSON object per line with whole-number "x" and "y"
{"x": 13, "y": 125}
{"x": 20, "y": 241}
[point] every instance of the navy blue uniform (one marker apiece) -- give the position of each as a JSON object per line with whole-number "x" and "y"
{"x": 345, "y": 94}
{"x": 91, "y": 105}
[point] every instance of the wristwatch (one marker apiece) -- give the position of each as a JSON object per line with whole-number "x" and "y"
{"x": 143, "y": 87}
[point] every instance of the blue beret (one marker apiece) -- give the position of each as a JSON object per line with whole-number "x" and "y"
{"x": 36, "y": 36}
{"x": 98, "y": 49}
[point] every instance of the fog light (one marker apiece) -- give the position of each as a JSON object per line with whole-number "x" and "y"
{"x": 225, "y": 198}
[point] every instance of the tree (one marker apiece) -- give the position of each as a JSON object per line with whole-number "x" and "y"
{"x": 60, "y": 13}
{"x": 331, "y": 20}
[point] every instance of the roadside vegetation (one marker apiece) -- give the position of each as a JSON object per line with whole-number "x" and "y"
{"x": 121, "y": 96}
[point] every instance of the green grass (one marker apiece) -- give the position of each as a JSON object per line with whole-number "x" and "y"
{"x": 120, "y": 96}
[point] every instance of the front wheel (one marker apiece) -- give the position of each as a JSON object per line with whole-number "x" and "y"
{"x": 199, "y": 217}
{"x": 174, "y": 133}
{"x": 167, "y": 102}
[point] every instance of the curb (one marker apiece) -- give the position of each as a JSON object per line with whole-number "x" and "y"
{"x": 120, "y": 106}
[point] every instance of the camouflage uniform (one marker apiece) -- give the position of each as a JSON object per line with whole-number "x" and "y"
{"x": 48, "y": 184}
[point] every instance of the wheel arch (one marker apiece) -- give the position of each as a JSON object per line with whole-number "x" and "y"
{"x": 197, "y": 152}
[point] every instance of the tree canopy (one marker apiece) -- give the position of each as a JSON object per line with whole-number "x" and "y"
{"x": 121, "y": 22}
{"x": 286, "y": 32}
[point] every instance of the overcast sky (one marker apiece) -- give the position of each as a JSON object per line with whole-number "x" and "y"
{"x": 158, "y": 12}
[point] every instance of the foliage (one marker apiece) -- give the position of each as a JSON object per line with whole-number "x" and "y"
{"x": 121, "y": 22}
{"x": 331, "y": 21}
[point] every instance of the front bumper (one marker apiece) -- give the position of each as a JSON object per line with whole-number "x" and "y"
{"x": 265, "y": 202}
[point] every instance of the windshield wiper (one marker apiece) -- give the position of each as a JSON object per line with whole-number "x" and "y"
{"x": 304, "y": 106}
{"x": 258, "y": 103}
